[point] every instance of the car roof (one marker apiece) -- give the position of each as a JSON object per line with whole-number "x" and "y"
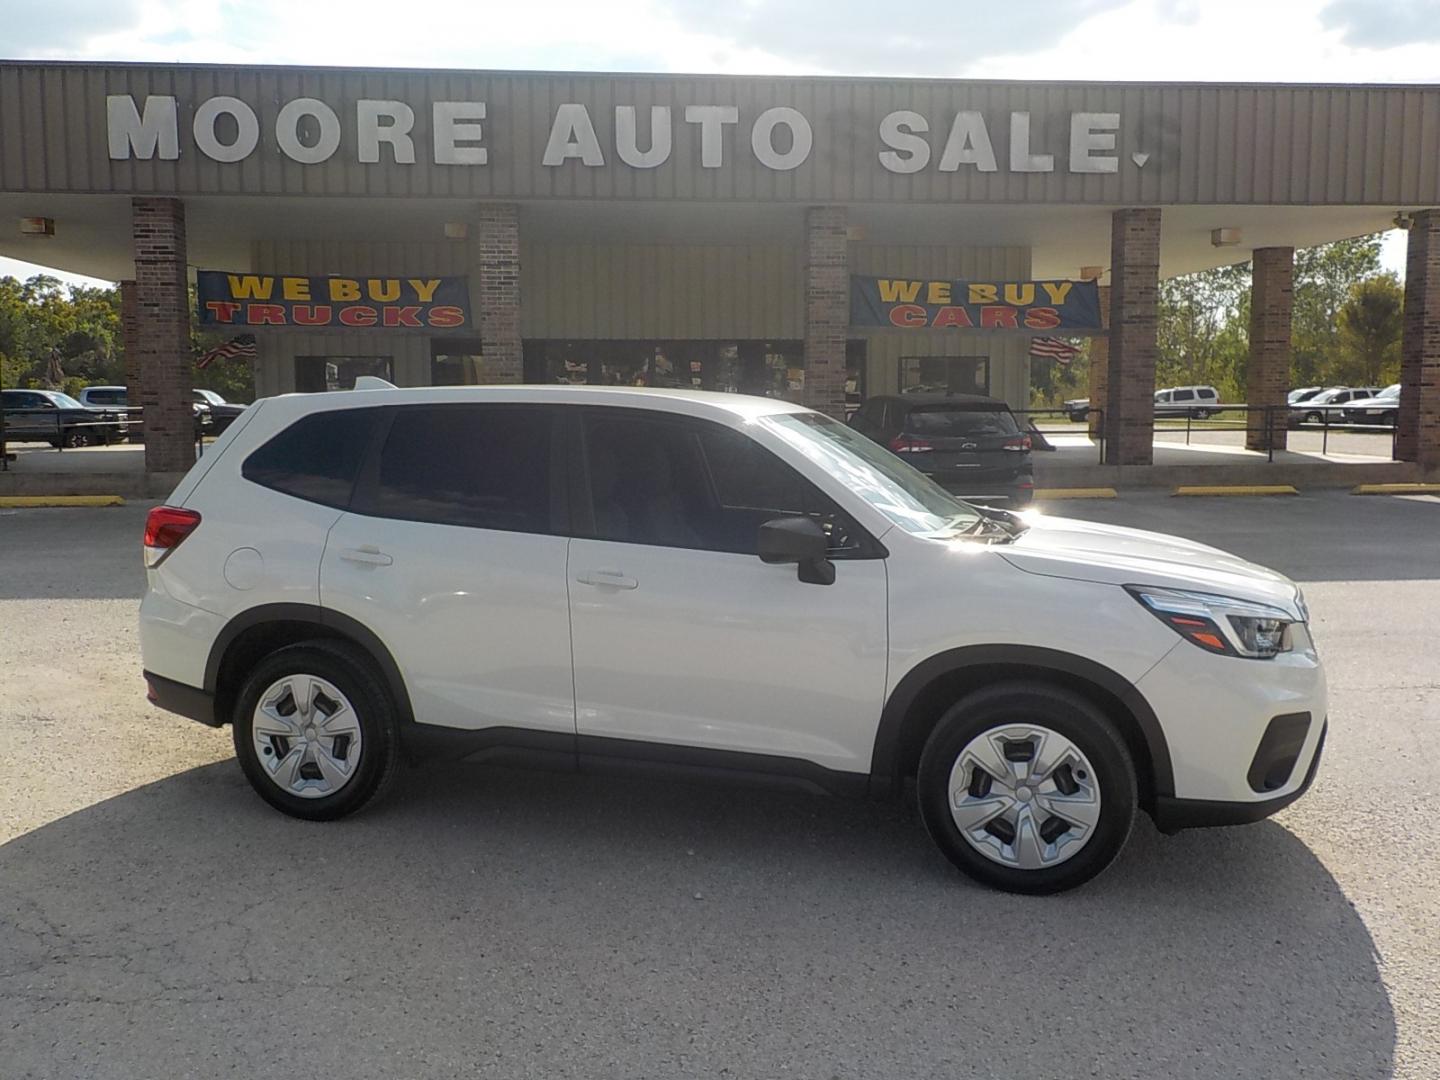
{"x": 684, "y": 402}
{"x": 99, "y": 387}
{"x": 968, "y": 401}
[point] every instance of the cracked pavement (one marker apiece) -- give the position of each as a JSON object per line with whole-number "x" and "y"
{"x": 158, "y": 920}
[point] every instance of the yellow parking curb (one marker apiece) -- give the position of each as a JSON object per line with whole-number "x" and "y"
{"x": 1237, "y": 489}
{"x": 60, "y": 500}
{"x": 1396, "y": 489}
{"x": 1075, "y": 493}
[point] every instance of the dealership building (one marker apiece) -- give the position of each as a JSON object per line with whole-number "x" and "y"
{"x": 818, "y": 238}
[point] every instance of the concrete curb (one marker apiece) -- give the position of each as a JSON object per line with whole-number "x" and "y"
{"x": 1076, "y": 493}
{"x": 34, "y": 501}
{"x": 1396, "y": 489}
{"x": 1237, "y": 489}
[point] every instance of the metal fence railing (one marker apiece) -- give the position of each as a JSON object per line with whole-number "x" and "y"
{"x": 1272, "y": 420}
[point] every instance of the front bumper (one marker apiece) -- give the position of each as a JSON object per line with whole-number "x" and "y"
{"x": 1172, "y": 814}
{"x": 1242, "y": 735}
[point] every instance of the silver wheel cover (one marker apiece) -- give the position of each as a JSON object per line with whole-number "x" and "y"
{"x": 306, "y": 735}
{"x": 1024, "y": 796}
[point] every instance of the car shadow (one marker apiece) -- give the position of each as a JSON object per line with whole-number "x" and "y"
{"x": 505, "y": 923}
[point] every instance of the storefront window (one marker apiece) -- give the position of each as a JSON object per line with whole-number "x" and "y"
{"x": 455, "y": 362}
{"x": 317, "y": 374}
{"x": 764, "y": 368}
{"x": 945, "y": 375}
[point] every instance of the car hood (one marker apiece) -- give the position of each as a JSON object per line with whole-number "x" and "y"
{"x": 1113, "y": 555}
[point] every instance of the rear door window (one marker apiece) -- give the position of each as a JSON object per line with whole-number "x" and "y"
{"x": 317, "y": 458}
{"x": 1184, "y": 395}
{"x": 950, "y": 422}
{"x": 480, "y": 466}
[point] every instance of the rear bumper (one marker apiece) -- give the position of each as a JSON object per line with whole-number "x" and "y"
{"x": 187, "y": 701}
{"x": 1172, "y": 814}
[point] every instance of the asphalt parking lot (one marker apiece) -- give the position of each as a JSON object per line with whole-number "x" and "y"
{"x": 156, "y": 919}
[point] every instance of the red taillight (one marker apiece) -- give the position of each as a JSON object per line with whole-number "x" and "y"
{"x": 908, "y": 444}
{"x": 1019, "y": 442}
{"x": 165, "y": 528}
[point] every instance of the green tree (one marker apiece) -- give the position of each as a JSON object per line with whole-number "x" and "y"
{"x": 1324, "y": 276}
{"x": 1203, "y": 330}
{"x": 1369, "y": 327}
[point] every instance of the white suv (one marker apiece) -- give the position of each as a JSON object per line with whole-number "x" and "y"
{"x": 597, "y": 577}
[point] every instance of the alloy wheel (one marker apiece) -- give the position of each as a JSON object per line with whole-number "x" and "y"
{"x": 1024, "y": 796}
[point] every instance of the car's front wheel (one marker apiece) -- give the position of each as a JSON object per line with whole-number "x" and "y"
{"x": 315, "y": 732}
{"x": 76, "y": 437}
{"x": 1027, "y": 788}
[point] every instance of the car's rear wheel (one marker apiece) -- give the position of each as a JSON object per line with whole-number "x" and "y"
{"x": 1027, "y": 788}
{"x": 315, "y": 732}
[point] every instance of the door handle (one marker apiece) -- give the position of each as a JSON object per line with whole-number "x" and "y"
{"x": 366, "y": 555}
{"x": 612, "y": 579}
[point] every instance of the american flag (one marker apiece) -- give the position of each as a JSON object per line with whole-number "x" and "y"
{"x": 242, "y": 347}
{"x": 1053, "y": 348}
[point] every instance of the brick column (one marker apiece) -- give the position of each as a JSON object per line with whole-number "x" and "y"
{"x": 1134, "y": 298}
{"x": 501, "y": 359}
{"x": 1100, "y": 365}
{"x": 1267, "y": 375}
{"x": 827, "y": 309}
{"x": 130, "y": 338}
{"x": 1418, "y": 436}
{"x": 162, "y": 333}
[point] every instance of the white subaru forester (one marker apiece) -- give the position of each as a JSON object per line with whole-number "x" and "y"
{"x": 724, "y": 585}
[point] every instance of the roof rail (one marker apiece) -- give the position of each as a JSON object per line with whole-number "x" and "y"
{"x": 373, "y": 382}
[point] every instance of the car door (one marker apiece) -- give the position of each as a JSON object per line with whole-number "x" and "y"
{"x": 453, "y": 552}
{"x": 30, "y": 416}
{"x": 681, "y": 635}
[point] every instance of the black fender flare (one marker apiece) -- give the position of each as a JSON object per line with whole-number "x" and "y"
{"x": 331, "y": 622}
{"x": 884, "y": 761}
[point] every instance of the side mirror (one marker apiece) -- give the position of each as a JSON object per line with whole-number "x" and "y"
{"x": 797, "y": 540}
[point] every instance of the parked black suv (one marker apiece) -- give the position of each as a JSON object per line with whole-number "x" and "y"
{"x": 971, "y": 446}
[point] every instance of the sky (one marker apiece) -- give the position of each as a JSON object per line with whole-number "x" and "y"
{"x": 1109, "y": 40}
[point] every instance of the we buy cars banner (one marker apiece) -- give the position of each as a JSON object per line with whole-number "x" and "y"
{"x": 922, "y": 303}
{"x": 386, "y": 303}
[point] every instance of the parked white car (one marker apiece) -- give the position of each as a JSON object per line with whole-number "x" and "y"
{"x": 721, "y": 584}
{"x": 1329, "y": 405}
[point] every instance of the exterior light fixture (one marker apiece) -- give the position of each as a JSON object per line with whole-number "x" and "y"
{"x": 37, "y": 226}
{"x": 1224, "y": 237}
{"x": 456, "y": 230}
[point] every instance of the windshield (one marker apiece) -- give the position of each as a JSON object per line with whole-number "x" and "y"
{"x": 1303, "y": 395}
{"x": 949, "y": 422}
{"x": 906, "y": 496}
{"x": 210, "y": 396}
{"x": 65, "y": 401}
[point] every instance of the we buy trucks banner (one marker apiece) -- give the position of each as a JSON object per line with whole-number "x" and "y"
{"x": 920, "y": 303}
{"x": 385, "y": 303}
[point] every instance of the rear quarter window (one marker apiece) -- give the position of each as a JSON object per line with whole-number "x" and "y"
{"x": 317, "y": 458}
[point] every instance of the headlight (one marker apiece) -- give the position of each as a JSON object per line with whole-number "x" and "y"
{"x": 1223, "y": 624}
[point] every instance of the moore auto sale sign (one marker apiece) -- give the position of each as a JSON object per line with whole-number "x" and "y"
{"x": 310, "y": 131}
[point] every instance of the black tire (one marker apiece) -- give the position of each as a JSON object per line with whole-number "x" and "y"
{"x": 75, "y": 437}
{"x": 1314, "y": 418}
{"x": 1201, "y": 414}
{"x": 1079, "y": 417}
{"x": 350, "y": 670}
{"x": 1062, "y": 712}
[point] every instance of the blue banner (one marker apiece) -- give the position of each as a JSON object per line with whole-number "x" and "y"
{"x": 1026, "y": 306}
